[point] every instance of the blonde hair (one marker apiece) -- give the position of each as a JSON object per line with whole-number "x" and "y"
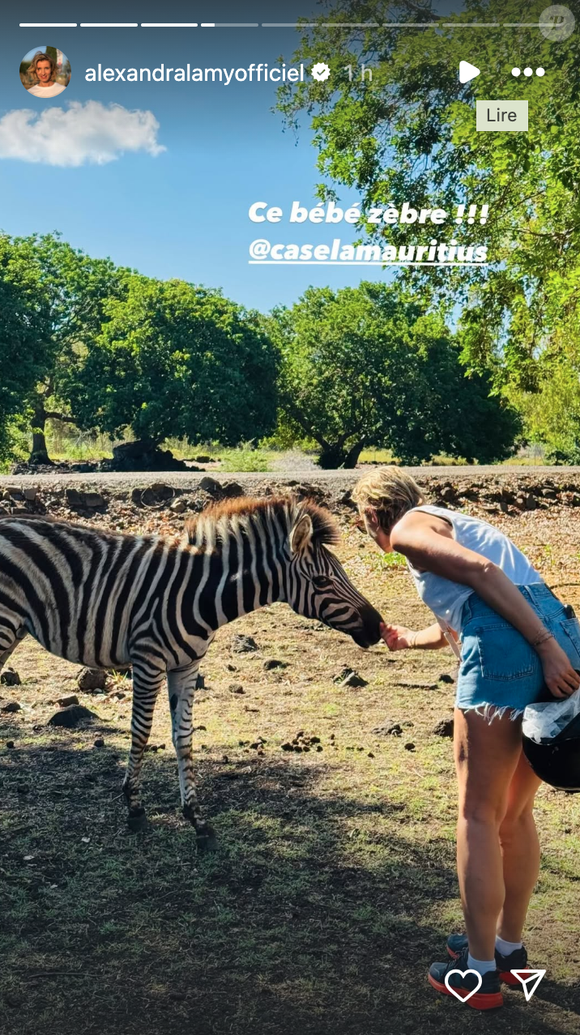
{"x": 390, "y": 492}
{"x": 39, "y": 56}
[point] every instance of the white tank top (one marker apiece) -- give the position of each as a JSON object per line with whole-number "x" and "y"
{"x": 446, "y": 598}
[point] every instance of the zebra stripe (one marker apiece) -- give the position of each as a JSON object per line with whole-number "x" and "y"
{"x": 107, "y": 600}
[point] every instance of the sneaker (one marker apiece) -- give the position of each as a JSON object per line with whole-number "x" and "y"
{"x": 517, "y": 960}
{"x": 488, "y": 995}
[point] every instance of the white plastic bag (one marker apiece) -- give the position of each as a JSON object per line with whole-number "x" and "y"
{"x": 545, "y": 720}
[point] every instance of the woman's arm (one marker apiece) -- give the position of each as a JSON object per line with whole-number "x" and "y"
{"x": 398, "y": 637}
{"x": 428, "y": 543}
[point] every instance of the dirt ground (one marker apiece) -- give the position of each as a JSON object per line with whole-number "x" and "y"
{"x": 334, "y": 884}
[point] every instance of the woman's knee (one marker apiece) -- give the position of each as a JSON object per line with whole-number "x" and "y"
{"x": 482, "y": 811}
{"x": 516, "y": 824}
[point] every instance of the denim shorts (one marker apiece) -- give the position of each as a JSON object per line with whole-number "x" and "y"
{"x": 499, "y": 671}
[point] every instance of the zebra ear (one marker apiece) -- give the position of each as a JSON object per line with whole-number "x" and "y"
{"x": 301, "y": 534}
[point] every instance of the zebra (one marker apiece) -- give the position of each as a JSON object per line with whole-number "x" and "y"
{"x": 110, "y": 600}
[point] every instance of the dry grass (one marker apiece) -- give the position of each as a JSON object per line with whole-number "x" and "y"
{"x": 334, "y": 885}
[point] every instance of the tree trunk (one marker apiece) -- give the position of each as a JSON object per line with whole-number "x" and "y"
{"x": 351, "y": 458}
{"x": 335, "y": 455}
{"x": 39, "y": 454}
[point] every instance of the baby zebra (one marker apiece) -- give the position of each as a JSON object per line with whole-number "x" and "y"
{"x": 108, "y": 600}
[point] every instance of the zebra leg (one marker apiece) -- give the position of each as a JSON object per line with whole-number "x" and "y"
{"x": 147, "y": 681}
{"x": 181, "y": 686}
{"x": 10, "y": 637}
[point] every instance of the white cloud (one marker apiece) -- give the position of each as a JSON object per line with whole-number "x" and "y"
{"x": 80, "y": 134}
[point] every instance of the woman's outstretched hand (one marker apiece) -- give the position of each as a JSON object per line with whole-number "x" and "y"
{"x": 561, "y": 678}
{"x": 396, "y": 637}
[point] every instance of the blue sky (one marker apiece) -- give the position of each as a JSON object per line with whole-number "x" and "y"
{"x": 183, "y": 211}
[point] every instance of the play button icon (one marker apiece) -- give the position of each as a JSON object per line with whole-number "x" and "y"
{"x": 467, "y": 71}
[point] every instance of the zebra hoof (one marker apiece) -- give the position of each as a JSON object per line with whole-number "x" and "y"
{"x": 137, "y": 820}
{"x": 206, "y": 839}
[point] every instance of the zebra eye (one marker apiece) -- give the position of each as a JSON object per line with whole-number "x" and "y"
{"x": 322, "y": 581}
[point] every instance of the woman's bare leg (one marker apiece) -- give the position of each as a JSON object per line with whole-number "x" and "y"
{"x": 521, "y": 851}
{"x": 486, "y": 757}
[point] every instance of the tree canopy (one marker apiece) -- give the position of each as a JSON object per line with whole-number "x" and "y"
{"x": 370, "y": 365}
{"x": 410, "y": 136}
{"x": 25, "y": 332}
{"x": 177, "y": 360}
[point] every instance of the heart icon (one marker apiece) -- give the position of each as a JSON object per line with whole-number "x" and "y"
{"x": 459, "y": 994}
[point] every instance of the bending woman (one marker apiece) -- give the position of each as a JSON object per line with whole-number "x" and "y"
{"x": 516, "y": 639}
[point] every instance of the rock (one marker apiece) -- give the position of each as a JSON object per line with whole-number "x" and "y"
{"x": 74, "y": 498}
{"x": 11, "y": 706}
{"x": 388, "y": 729}
{"x": 178, "y": 507}
{"x": 272, "y": 663}
{"x": 65, "y": 702}
{"x": 10, "y": 678}
{"x": 410, "y": 746}
{"x": 9, "y": 743}
{"x": 348, "y": 677}
{"x": 71, "y": 716}
{"x": 232, "y": 489}
{"x": 211, "y": 486}
{"x": 143, "y": 455}
{"x": 244, "y": 644}
{"x": 30, "y": 494}
{"x": 91, "y": 679}
{"x": 236, "y": 688}
{"x": 203, "y": 458}
{"x": 444, "y": 728}
{"x": 94, "y": 500}
{"x": 99, "y": 742}
{"x": 446, "y": 677}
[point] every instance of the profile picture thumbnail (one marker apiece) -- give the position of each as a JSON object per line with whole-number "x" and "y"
{"x": 45, "y": 72}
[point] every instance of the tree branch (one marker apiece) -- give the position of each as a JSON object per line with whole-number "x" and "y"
{"x": 59, "y": 416}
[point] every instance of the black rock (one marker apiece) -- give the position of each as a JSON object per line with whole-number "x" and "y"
{"x": 446, "y": 677}
{"x": 232, "y": 489}
{"x": 444, "y": 728}
{"x": 10, "y": 706}
{"x": 236, "y": 688}
{"x": 244, "y": 644}
{"x": 348, "y": 677}
{"x": 388, "y": 729}
{"x": 274, "y": 663}
{"x": 72, "y": 716}
{"x": 143, "y": 455}
{"x": 90, "y": 679}
{"x": 10, "y": 678}
{"x": 211, "y": 486}
{"x": 65, "y": 702}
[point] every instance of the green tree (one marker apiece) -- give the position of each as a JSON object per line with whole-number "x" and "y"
{"x": 79, "y": 289}
{"x": 25, "y": 345}
{"x": 174, "y": 359}
{"x": 410, "y": 136}
{"x": 371, "y": 366}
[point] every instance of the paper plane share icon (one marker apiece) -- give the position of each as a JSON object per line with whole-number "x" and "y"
{"x": 467, "y": 71}
{"x": 530, "y": 979}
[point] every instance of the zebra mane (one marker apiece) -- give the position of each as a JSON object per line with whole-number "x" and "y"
{"x": 325, "y": 528}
